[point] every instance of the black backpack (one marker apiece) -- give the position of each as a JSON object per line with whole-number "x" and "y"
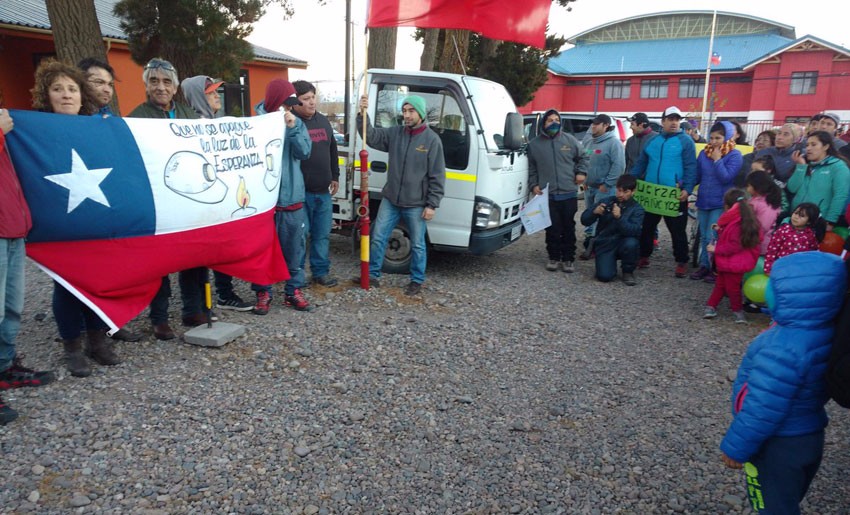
{"x": 838, "y": 367}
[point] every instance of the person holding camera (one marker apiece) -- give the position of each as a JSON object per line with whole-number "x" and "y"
{"x": 619, "y": 222}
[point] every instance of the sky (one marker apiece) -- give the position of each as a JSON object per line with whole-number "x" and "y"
{"x": 316, "y": 33}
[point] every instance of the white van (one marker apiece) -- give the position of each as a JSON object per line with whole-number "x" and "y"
{"x": 486, "y": 168}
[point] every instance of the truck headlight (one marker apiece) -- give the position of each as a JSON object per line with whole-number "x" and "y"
{"x": 487, "y": 214}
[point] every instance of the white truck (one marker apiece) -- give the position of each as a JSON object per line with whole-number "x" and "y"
{"x": 486, "y": 166}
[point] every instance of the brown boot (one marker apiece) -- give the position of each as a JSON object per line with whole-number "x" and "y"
{"x": 99, "y": 349}
{"x": 76, "y": 362}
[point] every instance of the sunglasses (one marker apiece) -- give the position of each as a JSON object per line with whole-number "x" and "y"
{"x": 159, "y": 63}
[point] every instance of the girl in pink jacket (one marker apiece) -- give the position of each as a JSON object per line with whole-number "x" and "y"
{"x": 736, "y": 253}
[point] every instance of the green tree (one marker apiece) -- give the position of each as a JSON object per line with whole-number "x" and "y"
{"x": 197, "y": 36}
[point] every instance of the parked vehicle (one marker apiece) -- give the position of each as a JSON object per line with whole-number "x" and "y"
{"x": 487, "y": 172}
{"x": 576, "y": 124}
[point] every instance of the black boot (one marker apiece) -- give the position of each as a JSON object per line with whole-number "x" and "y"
{"x": 76, "y": 362}
{"x": 100, "y": 349}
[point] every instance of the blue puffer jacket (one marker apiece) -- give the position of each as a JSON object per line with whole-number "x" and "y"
{"x": 670, "y": 159}
{"x": 780, "y": 388}
{"x": 716, "y": 177}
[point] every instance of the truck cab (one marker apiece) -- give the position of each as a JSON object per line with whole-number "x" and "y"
{"x": 486, "y": 168}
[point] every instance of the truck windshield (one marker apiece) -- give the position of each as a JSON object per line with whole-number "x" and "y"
{"x": 491, "y": 103}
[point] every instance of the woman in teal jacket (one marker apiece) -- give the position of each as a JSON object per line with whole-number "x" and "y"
{"x": 822, "y": 178}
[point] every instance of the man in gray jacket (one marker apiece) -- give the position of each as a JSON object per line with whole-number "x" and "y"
{"x": 607, "y": 160}
{"x": 557, "y": 159}
{"x": 416, "y": 180}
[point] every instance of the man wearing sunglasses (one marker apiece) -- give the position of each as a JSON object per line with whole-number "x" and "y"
{"x": 161, "y": 82}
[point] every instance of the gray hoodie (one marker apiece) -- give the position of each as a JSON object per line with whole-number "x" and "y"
{"x": 607, "y": 160}
{"x": 193, "y": 90}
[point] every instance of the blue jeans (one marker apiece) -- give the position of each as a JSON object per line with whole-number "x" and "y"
{"x": 72, "y": 315}
{"x": 388, "y": 216}
{"x": 706, "y": 218}
{"x": 627, "y": 250}
{"x": 319, "y": 211}
{"x": 290, "y": 233}
{"x": 191, "y": 294}
{"x": 779, "y": 475}
{"x": 592, "y": 195}
{"x": 11, "y": 296}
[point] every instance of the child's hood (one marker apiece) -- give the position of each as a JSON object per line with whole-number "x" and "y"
{"x": 806, "y": 289}
{"x": 729, "y": 129}
{"x": 731, "y": 215}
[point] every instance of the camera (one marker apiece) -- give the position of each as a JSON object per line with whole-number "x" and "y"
{"x": 609, "y": 207}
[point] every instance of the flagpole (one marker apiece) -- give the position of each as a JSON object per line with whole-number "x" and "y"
{"x": 364, "y": 179}
{"x": 708, "y": 73}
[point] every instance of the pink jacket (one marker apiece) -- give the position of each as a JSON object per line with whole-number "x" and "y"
{"x": 729, "y": 256}
{"x": 766, "y": 215}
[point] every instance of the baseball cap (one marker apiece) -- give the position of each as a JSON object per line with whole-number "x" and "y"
{"x": 834, "y": 117}
{"x": 686, "y": 126}
{"x": 212, "y": 85}
{"x": 639, "y": 118}
{"x": 671, "y": 111}
{"x": 602, "y": 118}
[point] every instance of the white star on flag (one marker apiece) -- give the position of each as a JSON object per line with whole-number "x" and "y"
{"x": 81, "y": 182}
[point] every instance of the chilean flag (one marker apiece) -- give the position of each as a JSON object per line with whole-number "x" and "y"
{"x": 715, "y": 59}
{"x": 507, "y": 20}
{"x": 118, "y": 203}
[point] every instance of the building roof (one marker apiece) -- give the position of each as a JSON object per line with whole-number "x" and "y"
{"x": 33, "y": 14}
{"x": 680, "y": 25}
{"x": 665, "y": 55}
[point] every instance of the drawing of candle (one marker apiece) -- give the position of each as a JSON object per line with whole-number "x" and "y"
{"x": 243, "y": 198}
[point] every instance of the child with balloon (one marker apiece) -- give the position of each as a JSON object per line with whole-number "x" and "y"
{"x": 804, "y": 232}
{"x": 735, "y": 253}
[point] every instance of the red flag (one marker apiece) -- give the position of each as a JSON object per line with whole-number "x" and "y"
{"x": 715, "y": 59}
{"x": 507, "y": 20}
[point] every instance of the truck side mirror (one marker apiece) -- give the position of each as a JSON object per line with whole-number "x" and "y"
{"x": 513, "y": 131}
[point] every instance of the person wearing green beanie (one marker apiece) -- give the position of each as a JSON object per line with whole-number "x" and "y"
{"x": 416, "y": 178}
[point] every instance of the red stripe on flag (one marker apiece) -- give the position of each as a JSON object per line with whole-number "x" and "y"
{"x": 504, "y": 20}
{"x": 121, "y": 276}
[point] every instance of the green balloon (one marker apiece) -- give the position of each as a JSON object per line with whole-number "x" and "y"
{"x": 758, "y": 269}
{"x": 755, "y": 287}
{"x": 841, "y": 231}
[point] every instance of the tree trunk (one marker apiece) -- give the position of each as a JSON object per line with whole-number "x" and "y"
{"x": 453, "y": 59}
{"x": 382, "y": 43}
{"x": 429, "y": 52}
{"x": 76, "y": 32}
{"x": 488, "y": 51}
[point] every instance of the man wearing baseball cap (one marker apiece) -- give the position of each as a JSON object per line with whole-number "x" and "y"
{"x": 289, "y": 217}
{"x": 668, "y": 160}
{"x": 606, "y": 162}
{"x": 829, "y": 122}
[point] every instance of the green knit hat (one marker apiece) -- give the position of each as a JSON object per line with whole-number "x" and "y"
{"x": 417, "y": 103}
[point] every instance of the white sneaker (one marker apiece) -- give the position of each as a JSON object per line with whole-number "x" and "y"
{"x": 552, "y": 265}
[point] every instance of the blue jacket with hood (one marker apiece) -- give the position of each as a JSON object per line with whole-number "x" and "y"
{"x": 669, "y": 159}
{"x": 296, "y": 148}
{"x": 780, "y": 388}
{"x": 716, "y": 177}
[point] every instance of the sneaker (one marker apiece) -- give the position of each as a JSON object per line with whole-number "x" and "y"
{"x": 681, "y": 270}
{"x": 552, "y": 265}
{"x": 233, "y": 302}
{"x": 751, "y": 307}
{"x": 655, "y": 244}
{"x": 326, "y": 281}
{"x": 7, "y": 414}
{"x": 297, "y": 301}
{"x": 740, "y": 317}
{"x": 700, "y": 274}
{"x": 643, "y": 262}
{"x": 709, "y": 312}
{"x": 711, "y": 278}
{"x": 19, "y": 376}
{"x": 374, "y": 282}
{"x": 264, "y": 301}
{"x": 412, "y": 289}
{"x": 629, "y": 279}
{"x": 568, "y": 267}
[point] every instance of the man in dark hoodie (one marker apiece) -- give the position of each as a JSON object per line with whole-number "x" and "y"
{"x": 642, "y": 134}
{"x": 557, "y": 159}
{"x": 321, "y": 180}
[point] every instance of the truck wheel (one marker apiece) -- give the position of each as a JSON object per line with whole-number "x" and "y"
{"x": 399, "y": 251}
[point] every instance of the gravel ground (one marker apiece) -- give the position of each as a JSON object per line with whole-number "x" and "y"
{"x": 504, "y": 389}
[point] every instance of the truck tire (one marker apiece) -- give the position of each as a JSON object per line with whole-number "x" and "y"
{"x": 399, "y": 251}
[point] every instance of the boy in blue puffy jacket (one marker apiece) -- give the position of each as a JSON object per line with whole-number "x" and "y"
{"x": 777, "y": 433}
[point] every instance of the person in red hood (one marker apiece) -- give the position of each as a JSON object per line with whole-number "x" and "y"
{"x": 15, "y": 223}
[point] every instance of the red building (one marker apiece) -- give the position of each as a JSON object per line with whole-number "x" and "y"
{"x": 25, "y": 39}
{"x": 766, "y": 75}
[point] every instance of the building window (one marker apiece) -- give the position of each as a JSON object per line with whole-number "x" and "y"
{"x": 804, "y": 83}
{"x": 691, "y": 88}
{"x": 617, "y": 88}
{"x": 653, "y": 88}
